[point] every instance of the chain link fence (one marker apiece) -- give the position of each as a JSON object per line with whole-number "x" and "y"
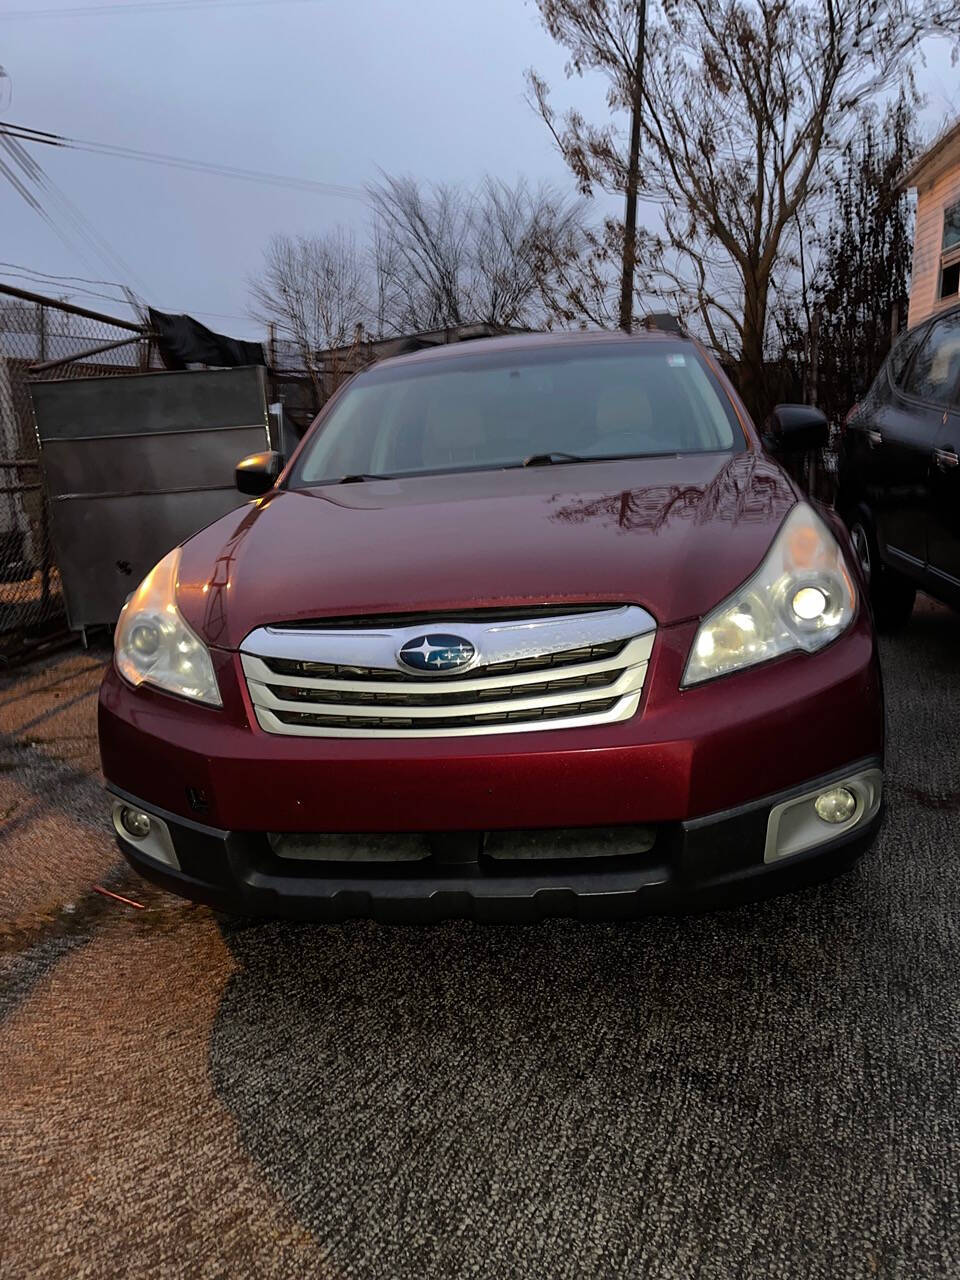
{"x": 41, "y": 338}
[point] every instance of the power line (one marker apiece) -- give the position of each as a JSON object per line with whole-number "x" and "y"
{"x": 53, "y": 275}
{"x": 52, "y": 279}
{"x": 24, "y": 134}
{"x": 36, "y": 182}
{"x": 68, "y": 292}
{"x": 73, "y": 290}
{"x": 36, "y": 175}
{"x": 142, "y": 6}
{"x": 23, "y": 189}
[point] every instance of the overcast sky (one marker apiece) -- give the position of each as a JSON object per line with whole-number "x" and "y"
{"x": 320, "y": 89}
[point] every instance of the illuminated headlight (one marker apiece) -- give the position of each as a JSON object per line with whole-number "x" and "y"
{"x": 801, "y": 597}
{"x": 154, "y": 645}
{"x": 809, "y": 604}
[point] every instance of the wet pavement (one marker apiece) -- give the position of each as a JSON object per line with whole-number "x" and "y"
{"x": 765, "y": 1092}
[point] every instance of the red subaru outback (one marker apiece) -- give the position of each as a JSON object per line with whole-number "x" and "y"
{"x": 527, "y": 626}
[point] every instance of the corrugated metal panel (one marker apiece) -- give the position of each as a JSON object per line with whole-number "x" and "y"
{"x": 927, "y": 244}
{"x": 134, "y": 465}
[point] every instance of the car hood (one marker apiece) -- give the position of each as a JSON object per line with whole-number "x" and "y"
{"x": 674, "y": 534}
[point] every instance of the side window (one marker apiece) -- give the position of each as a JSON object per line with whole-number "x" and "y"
{"x": 951, "y": 227}
{"x": 935, "y": 372}
{"x": 950, "y": 257}
{"x": 901, "y": 351}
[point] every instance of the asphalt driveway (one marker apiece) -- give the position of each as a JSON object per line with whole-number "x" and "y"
{"x": 768, "y": 1092}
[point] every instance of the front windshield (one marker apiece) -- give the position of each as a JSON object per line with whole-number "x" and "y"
{"x": 508, "y": 408}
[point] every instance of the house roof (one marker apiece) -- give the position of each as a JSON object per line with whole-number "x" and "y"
{"x": 943, "y": 152}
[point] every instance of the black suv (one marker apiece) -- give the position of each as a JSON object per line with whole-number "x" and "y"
{"x": 899, "y": 478}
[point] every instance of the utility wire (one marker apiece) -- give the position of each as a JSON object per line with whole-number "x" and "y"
{"x": 141, "y": 6}
{"x": 33, "y": 175}
{"x": 68, "y": 292}
{"x": 39, "y": 190}
{"x": 24, "y": 134}
{"x": 23, "y": 189}
{"x": 51, "y": 280}
{"x": 43, "y": 184}
{"x": 53, "y": 275}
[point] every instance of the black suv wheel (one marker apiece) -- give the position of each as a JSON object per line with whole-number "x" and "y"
{"x": 891, "y": 594}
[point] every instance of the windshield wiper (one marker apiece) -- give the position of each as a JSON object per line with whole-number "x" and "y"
{"x": 358, "y": 477}
{"x": 553, "y": 457}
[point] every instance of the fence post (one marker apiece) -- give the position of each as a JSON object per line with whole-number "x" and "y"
{"x": 45, "y": 554}
{"x": 41, "y": 332}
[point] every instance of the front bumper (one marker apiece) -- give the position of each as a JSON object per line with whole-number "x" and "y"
{"x": 685, "y": 754}
{"x": 697, "y": 865}
{"x": 702, "y": 767}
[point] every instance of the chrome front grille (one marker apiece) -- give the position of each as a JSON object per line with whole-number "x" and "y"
{"x": 526, "y": 674}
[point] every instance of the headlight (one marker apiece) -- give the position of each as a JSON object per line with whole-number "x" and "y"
{"x": 152, "y": 643}
{"x": 801, "y": 597}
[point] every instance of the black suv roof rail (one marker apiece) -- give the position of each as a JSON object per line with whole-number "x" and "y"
{"x": 664, "y": 322}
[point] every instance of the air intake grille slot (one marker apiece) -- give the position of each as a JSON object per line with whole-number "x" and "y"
{"x": 398, "y": 698}
{"x": 446, "y": 722}
{"x": 541, "y": 662}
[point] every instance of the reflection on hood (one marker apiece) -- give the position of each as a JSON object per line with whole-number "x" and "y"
{"x": 746, "y": 488}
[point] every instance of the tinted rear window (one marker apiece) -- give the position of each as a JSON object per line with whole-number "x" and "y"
{"x": 901, "y": 352}
{"x": 497, "y": 410}
{"x": 935, "y": 372}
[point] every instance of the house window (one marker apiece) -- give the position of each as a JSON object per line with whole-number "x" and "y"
{"x": 950, "y": 256}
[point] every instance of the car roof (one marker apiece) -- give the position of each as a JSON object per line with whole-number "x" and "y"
{"x": 531, "y": 341}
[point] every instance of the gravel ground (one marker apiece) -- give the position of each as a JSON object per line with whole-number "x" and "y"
{"x": 766, "y": 1092}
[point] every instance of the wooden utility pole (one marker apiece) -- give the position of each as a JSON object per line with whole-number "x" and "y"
{"x": 633, "y": 179}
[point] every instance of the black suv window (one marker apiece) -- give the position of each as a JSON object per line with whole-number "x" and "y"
{"x": 901, "y": 351}
{"x": 935, "y": 372}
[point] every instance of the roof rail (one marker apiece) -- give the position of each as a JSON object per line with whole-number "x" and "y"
{"x": 663, "y": 322}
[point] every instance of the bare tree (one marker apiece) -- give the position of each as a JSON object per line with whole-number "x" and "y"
{"x": 747, "y": 104}
{"x": 608, "y": 36}
{"x": 856, "y": 268}
{"x": 437, "y": 257}
{"x": 445, "y": 256}
{"x": 576, "y": 266}
{"x": 315, "y": 289}
{"x": 521, "y": 241}
{"x": 421, "y": 236}
{"x": 382, "y": 258}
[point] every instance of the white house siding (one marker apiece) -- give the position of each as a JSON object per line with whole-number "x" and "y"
{"x": 932, "y": 199}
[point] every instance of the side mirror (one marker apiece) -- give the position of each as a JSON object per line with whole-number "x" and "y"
{"x": 258, "y": 473}
{"x": 795, "y": 428}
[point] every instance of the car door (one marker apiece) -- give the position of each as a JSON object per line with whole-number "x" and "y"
{"x": 944, "y": 529}
{"x": 896, "y": 433}
{"x": 860, "y": 469}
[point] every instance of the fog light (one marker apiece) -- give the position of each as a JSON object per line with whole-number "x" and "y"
{"x": 838, "y": 805}
{"x": 135, "y": 822}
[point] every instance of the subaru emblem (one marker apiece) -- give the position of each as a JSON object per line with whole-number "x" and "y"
{"x": 437, "y": 652}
